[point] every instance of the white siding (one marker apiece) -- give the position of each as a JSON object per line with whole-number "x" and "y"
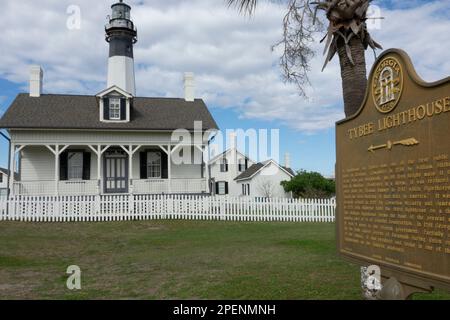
{"x": 233, "y": 171}
{"x": 188, "y": 170}
{"x": 271, "y": 176}
{"x": 4, "y": 180}
{"x": 37, "y": 164}
{"x": 93, "y": 137}
{"x": 178, "y": 171}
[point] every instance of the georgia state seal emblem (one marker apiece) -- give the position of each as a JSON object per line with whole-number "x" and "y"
{"x": 387, "y": 85}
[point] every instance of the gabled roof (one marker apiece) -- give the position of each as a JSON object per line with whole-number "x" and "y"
{"x": 221, "y": 155}
{"x": 256, "y": 168}
{"x": 52, "y": 111}
{"x": 250, "y": 172}
{"x": 112, "y": 89}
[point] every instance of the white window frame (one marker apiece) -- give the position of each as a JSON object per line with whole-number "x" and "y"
{"x": 246, "y": 189}
{"x": 224, "y": 165}
{"x": 219, "y": 184}
{"x": 114, "y": 108}
{"x": 241, "y": 165}
{"x": 153, "y": 168}
{"x": 70, "y": 165}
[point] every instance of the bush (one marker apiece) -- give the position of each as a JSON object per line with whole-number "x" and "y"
{"x": 310, "y": 185}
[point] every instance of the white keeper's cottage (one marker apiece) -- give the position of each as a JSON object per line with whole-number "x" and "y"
{"x": 109, "y": 143}
{"x": 235, "y": 174}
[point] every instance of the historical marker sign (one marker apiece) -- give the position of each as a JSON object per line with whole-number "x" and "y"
{"x": 393, "y": 176}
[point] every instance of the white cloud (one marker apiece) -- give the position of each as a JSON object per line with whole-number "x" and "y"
{"x": 230, "y": 54}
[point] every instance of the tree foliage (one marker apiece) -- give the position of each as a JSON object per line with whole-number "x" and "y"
{"x": 310, "y": 185}
{"x": 346, "y": 22}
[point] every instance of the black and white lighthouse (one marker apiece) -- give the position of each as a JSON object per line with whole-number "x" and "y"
{"x": 121, "y": 35}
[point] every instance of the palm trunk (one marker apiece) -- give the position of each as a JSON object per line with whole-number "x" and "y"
{"x": 354, "y": 77}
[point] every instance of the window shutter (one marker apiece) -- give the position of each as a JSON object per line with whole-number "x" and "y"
{"x": 123, "y": 109}
{"x": 63, "y": 161}
{"x": 217, "y": 188}
{"x": 106, "y": 108}
{"x": 86, "y": 166}
{"x": 226, "y": 187}
{"x": 164, "y": 165}
{"x": 246, "y": 164}
{"x": 202, "y": 170}
{"x": 248, "y": 189}
{"x": 143, "y": 165}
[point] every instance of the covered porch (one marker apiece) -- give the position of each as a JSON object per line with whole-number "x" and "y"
{"x": 92, "y": 169}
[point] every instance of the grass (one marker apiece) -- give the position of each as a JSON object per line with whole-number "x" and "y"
{"x": 176, "y": 260}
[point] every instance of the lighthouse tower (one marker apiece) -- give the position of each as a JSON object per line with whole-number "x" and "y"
{"x": 121, "y": 35}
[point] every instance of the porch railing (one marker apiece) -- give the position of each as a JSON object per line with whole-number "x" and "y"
{"x": 47, "y": 188}
{"x": 85, "y": 187}
{"x": 150, "y": 186}
{"x": 159, "y": 186}
{"x": 90, "y": 187}
{"x": 34, "y": 188}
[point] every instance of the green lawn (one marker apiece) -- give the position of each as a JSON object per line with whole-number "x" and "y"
{"x": 176, "y": 260}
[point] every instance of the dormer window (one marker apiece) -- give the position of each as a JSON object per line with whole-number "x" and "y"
{"x": 115, "y": 105}
{"x": 114, "y": 109}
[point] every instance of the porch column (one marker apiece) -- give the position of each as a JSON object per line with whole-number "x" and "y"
{"x": 130, "y": 151}
{"x": 12, "y": 169}
{"x": 57, "y": 152}
{"x": 201, "y": 148}
{"x": 130, "y": 170}
{"x": 99, "y": 151}
{"x": 169, "y": 167}
{"x": 99, "y": 169}
{"x": 206, "y": 162}
{"x": 57, "y": 169}
{"x": 14, "y": 151}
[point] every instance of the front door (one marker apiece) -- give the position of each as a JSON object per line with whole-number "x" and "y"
{"x": 116, "y": 172}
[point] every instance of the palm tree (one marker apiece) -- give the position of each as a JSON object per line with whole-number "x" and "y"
{"x": 347, "y": 35}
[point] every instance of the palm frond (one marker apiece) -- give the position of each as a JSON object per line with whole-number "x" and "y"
{"x": 244, "y": 6}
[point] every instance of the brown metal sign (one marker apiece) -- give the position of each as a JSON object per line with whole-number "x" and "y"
{"x": 393, "y": 176}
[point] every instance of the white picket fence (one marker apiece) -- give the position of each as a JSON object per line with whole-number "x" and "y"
{"x": 150, "y": 207}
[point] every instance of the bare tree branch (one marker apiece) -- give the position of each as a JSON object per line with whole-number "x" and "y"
{"x": 347, "y": 20}
{"x": 267, "y": 188}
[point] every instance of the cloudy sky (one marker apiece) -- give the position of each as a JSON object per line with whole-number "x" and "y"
{"x": 236, "y": 71}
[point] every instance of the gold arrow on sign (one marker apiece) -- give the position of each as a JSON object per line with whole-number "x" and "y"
{"x": 389, "y": 145}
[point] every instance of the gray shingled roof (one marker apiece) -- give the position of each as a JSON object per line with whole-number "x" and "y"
{"x": 289, "y": 170}
{"x": 250, "y": 171}
{"x": 255, "y": 168}
{"x": 51, "y": 111}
